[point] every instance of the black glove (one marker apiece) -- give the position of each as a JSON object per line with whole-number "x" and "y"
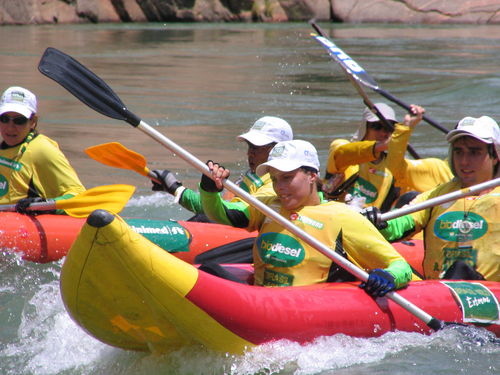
{"x": 168, "y": 181}
{"x": 379, "y": 283}
{"x": 23, "y": 204}
{"x": 374, "y": 215}
{"x": 208, "y": 184}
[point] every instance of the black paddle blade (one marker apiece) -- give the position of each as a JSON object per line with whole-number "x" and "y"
{"x": 85, "y": 85}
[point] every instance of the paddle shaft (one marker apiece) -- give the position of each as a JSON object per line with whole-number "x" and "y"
{"x": 441, "y": 199}
{"x": 368, "y": 102}
{"x": 37, "y": 206}
{"x": 375, "y": 87}
{"x": 94, "y": 92}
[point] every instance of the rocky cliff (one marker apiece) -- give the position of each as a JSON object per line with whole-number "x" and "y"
{"x": 375, "y": 11}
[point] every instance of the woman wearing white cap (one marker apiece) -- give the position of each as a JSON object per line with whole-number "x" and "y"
{"x": 32, "y": 167}
{"x": 281, "y": 258}
{"x": 260, "y": 138}
{"x": 462, "y": 238}
{"x": 372, "y": 165}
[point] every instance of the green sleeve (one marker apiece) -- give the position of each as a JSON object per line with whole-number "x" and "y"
{"x": 223, "y": 212}
{"x": 399, "y": 228}
{"x": 191, "y": 201}
{"x": 62, "y": 197}
{"x": 401, "y": 271}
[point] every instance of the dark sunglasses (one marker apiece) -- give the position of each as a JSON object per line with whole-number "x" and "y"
{"x": 377, "y": 126}
{"x": 18, "y": 120}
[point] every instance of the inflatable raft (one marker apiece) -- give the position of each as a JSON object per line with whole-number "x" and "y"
{"x": 129, "y": 293}
{"x": 46, "y": 238}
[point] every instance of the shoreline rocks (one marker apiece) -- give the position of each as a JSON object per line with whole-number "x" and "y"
{"x": 24, "y": 12}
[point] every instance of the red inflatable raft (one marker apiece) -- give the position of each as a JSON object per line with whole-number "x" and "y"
{"x": 160, "y": 303}
{"x": 46, "y": 238}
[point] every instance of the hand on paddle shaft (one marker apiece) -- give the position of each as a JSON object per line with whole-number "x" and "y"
{"x": 379, "y": 283}
{"x": 167, "y": 180}
{"x": 374, "y": 215}
{"x": 23, "y": 206}
{"x": 414, "y": 116}
{"x": 219, "y": 174}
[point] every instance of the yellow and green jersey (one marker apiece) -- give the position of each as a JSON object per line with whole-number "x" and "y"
{"x": 466, "y": 229}
{"x": 36, "y": 168}
{"x": 374, "y": 181}
{"x": 283, "y": 259}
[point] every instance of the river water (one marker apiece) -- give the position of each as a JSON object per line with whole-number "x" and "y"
{"x": 201, "y": 85}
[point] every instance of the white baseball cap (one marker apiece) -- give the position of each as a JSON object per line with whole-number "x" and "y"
{"x": 289, "y": 155}
{"x": 19, "y": 100}
{"x": 384, "y": 109}
{"x": 483, "y": 128}
{"x": 369, "y": 116}
{"x": 268, "y": 129}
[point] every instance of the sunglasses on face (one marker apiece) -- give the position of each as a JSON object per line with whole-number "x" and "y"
{"x": 377, "y": 126}
{"x": 18, "y": 120}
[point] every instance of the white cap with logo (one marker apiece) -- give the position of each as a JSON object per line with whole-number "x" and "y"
{"x": 369, "y": 116}
{"x": 289, "y": 155}
{"x": 268, "y": 129}
{"x": 384, "y": 109}
{"x": 19, "y": 100}
{"x": 484, "y": 129}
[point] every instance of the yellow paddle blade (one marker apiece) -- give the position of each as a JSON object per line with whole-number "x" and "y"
{"x": 107, "y": 197}
{"x": 117, "y": 155}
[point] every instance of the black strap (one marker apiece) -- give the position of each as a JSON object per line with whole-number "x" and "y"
{"x": 337, "y": 274}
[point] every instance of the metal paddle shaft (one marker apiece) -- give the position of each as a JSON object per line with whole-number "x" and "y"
{"x": 361, "y": 76}
{"x": 441, "y": 199}
{"x": 109, "y": 197}
{"x": 61, "y": 68}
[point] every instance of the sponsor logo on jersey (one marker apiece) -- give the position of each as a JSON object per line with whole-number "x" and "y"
{"x": 280, "y": 250}
{"x": 4, "y": 185}
{"x": 363, "y": 188}
{"x": 452, "y": 226}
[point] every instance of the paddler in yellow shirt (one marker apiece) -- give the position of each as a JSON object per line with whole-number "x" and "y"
{"x": 413, "y": 176}
{"x": 32, "y": 167}
{"x": 372, "y": 168}
{"x": 461, "y": 238}
{"x": 283, "y": 259}
{"x": 260, "y": 139}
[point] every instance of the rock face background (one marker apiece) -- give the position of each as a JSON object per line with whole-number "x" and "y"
{"x": 376, "y": 11}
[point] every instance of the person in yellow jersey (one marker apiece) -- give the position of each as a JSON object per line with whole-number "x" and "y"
{"x": 372, "y": 168}
{"x": 32, "y": 167}
{"x": 283, "y": 259}
{"x": 413, "y": 176}
{"x": 461, "y": 238}
{"x": 260, "y": 139}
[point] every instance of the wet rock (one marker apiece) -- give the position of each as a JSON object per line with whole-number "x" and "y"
{"x": 417, "y": 11}
{"x": 375, "y": 11}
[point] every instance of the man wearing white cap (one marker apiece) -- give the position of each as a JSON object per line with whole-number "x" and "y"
{"x": 283, "y": 259}
{"x": 462, "y": 238}
{"x": 32, "y": 167}
{"x": 260, "y": 138}
{"x": 372, "y": 165}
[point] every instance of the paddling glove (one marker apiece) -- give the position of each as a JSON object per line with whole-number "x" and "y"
{"x": 22, "y": 206}
{"x": 168, "y": 181}
{"x": 374, "y": 215}
{"x": 379, "y": 283}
